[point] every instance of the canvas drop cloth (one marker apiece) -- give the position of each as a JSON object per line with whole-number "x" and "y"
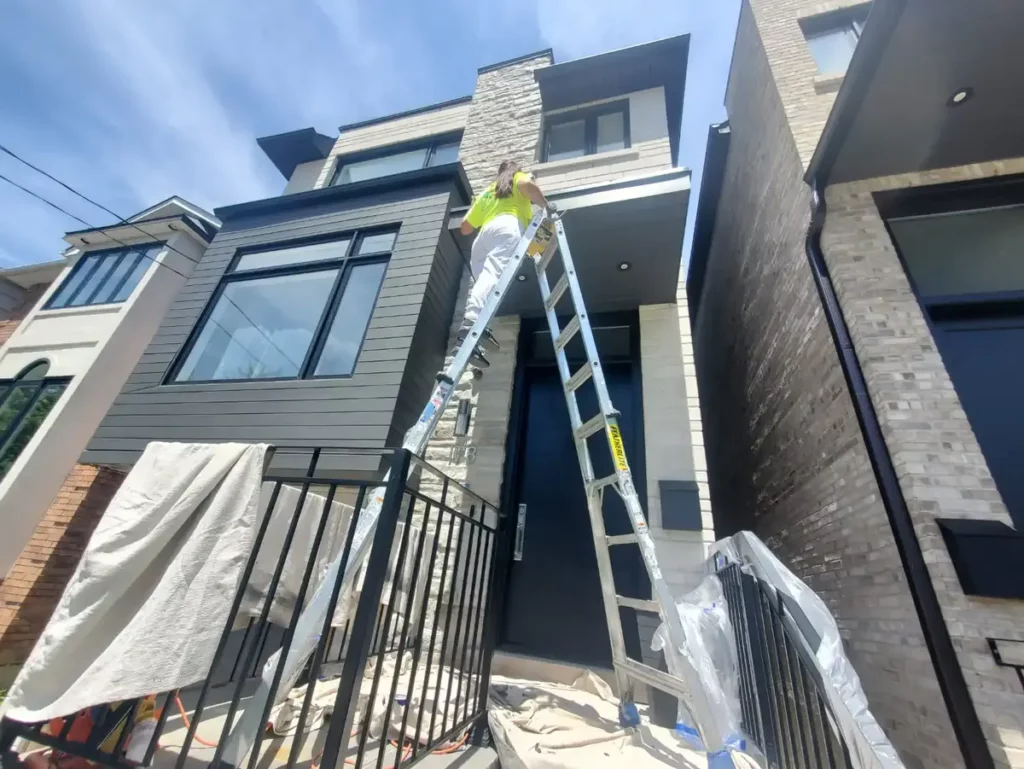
{"x": 151, "y": 595}
{"x": 540, "y": 725}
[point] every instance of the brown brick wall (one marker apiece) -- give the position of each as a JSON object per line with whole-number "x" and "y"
{"x": 9, "y": 324}
{"x": 35, "y": 583}
{"x": 785, "y": 454}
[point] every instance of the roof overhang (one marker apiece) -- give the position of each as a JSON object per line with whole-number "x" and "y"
{"x": 640, "y": 222}
{"x": 29, "y": 275}
{"x": 288, "y": 150}
{"x": 143, "y": 231}
{"x": 711, "y": 182}
{"x": 893, "y": 113}
{"x": 661, "y": 63}
{"x": 408, "y": 180}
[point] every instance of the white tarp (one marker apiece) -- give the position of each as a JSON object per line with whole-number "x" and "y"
{"x": 151, "y": 595}
{"x": 540, "y": 725}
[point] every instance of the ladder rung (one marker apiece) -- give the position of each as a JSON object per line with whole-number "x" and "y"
{"x": 590, "y": 427}
{"x": 600, "y": 483}
{"x": 621, "y": 539}
{"x": 556, "y": 293}
{"x": 545, "y": 259}
{"x": 656, "y": 678}
{"x": 568, "y": 333}
{"x": 573, "y": 383}
{"x": 637, "y": 603}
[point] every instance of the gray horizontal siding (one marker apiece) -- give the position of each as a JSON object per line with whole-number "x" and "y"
{"x": 357, "y": 411}
{"x": 430, "y": 340}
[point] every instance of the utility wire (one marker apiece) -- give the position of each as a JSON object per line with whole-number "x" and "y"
{"x": 125, "y": 245}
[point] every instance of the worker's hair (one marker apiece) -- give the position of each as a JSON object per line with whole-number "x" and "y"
{"x": 506, "y": 175}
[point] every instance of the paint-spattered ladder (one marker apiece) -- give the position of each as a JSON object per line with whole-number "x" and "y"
{"x": 543, "y": 240}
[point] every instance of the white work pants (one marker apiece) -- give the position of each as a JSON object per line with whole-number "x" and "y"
{"x": 492, "y": 251}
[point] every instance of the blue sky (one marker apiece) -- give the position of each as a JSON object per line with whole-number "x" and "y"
{"x": 131, "y": 102}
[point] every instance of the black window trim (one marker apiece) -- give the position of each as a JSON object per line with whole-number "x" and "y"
{"x": 138, "y": 251}
{"x": 589, "y": 115}
{"x": 8, "y": 385}
{"x": 431, "y": 142}
{"x": 343, "y": 264}
{"x": 851, "y": 17}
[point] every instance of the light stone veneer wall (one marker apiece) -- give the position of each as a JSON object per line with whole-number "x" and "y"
{"x": 941, "y": 469}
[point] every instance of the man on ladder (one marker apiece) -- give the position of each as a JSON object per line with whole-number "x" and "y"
{"x": 501, "y": 213}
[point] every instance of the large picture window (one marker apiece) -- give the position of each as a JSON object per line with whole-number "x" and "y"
{"x": 104, "y": 277}
{"x": 359, "y": 168}
{"x": 589, "y": 131}
{"x": 24, "y": 403}
{"x": 297, "y": 311}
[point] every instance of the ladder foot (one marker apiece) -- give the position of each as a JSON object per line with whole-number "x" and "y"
{"x": 477, "y": 373}
{"x": 629, "y": 716}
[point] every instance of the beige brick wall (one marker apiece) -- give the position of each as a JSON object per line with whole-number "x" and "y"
{"x": 806, "y": 97}
{"x": 941, "y": 469}
{"x": 37, "y": 580}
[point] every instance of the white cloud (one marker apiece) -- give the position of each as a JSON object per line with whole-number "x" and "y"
{"x": 576, "y": 28}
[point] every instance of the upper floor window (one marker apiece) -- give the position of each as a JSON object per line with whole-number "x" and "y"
{"x": 104, "y": 277}
{"x": 25, "y": 402}
{"x": 586, "y": 132}
{"x": 359, "y": 168}
{"x": 833, "y": 37}
{"x": 291, "y": 312}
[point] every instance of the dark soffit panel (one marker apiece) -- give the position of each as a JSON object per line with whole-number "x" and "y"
{"x": 893, "y": 113}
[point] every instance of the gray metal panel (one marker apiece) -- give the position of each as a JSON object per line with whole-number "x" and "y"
{"x": 356, "y": 411}
{"x": 680, "y": 505}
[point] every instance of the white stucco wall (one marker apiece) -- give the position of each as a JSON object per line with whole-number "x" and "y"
{"x": 650, "y": 150}
{"x": 97, "y": 347}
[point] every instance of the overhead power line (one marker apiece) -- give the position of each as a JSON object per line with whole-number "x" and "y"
{"x": 142, "y": 253}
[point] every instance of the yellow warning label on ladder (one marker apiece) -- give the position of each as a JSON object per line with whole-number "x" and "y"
{"x": 618, "y": 452}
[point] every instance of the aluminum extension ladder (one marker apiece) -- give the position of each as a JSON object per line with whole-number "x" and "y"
{"x": 543, "y": 239}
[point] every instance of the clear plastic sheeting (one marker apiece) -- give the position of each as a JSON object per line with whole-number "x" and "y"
{"x": 868, "y": 746}
{"x": 710, "y": 647}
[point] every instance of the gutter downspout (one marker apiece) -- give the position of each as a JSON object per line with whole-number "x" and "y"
{"x": 950, "y": 676}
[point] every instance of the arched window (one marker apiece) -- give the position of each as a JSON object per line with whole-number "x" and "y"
{"x": 24, "y": 403}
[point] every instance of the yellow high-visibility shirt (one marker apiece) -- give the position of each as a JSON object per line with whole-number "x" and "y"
{"x": 489, "y": 205}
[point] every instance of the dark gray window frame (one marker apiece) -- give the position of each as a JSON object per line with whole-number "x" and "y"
{"x": 38, "y": 386}
{"x": 431, "y": 143}
{"x": 850, "y": 19}
{"x": 343, "y": 264}
{"x": 590, "y": 116}
{"x": 91, "y": 261}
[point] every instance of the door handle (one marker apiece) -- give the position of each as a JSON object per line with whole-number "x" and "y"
{"x": 517, "y": 555}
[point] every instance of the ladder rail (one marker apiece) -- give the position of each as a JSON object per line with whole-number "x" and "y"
{"x": 697, "y": 699}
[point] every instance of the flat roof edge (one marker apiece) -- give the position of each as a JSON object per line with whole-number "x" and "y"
{"x": 406, "y": 113}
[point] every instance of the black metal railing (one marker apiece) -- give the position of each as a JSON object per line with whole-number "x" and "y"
{"x": 409, "y": 648}
{"x": 782, "y": 698}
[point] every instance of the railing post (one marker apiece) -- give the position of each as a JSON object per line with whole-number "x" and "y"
{"x": 492, "y": 619}
{"x": 362, "y": 623}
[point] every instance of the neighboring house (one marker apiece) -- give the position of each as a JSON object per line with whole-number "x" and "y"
{"x": 863, "y": 383}
{"x": 321, "y": 317}
{"x": 20, "y": 289}
{"x": 60, "y": 370}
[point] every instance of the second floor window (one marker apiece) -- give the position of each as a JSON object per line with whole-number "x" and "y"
{"x": 586, "y": 132}
{"x": 291, "y": 312}
{"x": 104, "y": 277}
{"x": 833, "y": 38}
{"x": 25, "y": 402}
{"x": 360, "y": 168}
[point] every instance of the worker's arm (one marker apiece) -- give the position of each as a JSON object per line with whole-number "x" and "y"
{"x": 466, "y": 228}
{"x": 532, "y": 191}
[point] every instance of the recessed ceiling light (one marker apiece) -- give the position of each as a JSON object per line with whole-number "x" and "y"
{"x": 960, "y": 96}
{"x": 624, "y": 266}
{"x": 522, "y": 278}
